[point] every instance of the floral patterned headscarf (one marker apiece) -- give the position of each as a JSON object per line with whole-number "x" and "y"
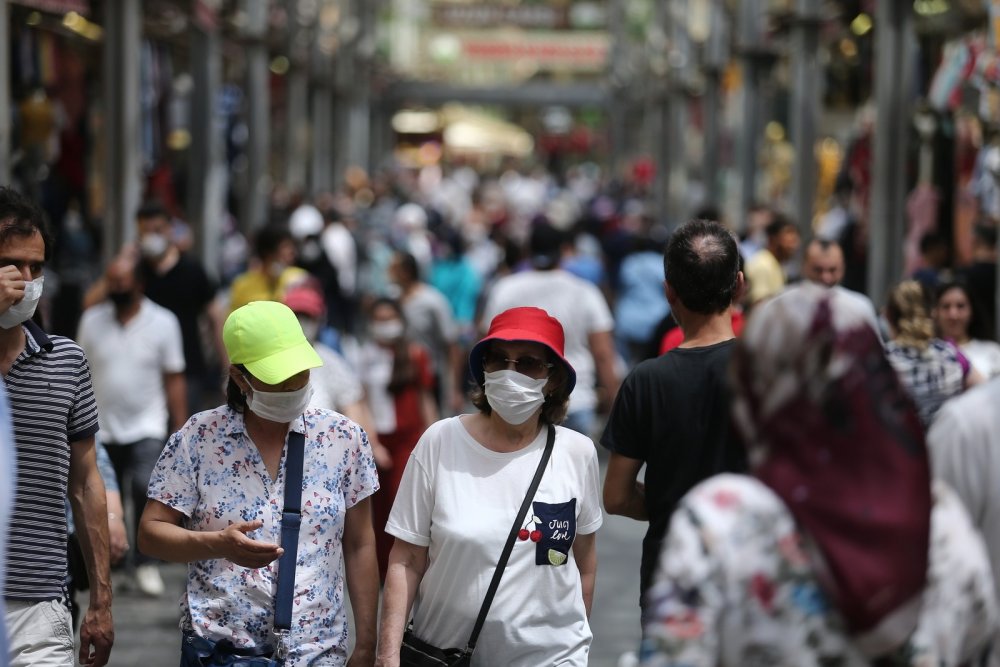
{"x": 831, "y": 431}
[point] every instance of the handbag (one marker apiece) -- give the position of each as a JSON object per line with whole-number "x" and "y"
{"x": 200, "y": 652}
{"x": 414, "y": 651}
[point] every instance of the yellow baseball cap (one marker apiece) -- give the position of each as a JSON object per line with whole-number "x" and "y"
{"x": 265, "y": 336}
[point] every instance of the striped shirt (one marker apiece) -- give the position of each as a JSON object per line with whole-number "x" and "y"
{"x": 52, "y": 405}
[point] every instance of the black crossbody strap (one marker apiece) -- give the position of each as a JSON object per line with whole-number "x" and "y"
{"x": 511, "y": 539}
{"x": 291, "y": 519}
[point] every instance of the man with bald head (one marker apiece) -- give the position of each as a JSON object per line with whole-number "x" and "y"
{"x": 823, "y": 264}
{"x": 136, "y": 356}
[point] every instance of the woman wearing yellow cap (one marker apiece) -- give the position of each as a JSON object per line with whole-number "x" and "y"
{"x": 217, "y": 497}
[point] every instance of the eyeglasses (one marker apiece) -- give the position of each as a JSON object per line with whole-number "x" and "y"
{"x": 533, "y": 367}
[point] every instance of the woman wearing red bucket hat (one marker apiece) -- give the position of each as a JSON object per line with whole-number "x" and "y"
{"x": 505, "y": 481}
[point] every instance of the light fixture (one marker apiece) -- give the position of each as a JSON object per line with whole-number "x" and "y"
{"x": 861, "y": 25}
{"x": 280, "y": 65}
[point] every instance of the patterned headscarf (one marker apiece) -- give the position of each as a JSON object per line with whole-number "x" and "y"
{"x": 831, "y": 431}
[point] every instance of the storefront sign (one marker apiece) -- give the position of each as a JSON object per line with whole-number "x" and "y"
{"x": 568, "y": 51}
{"x": 448, "y": 15}
{"x": 57, "y": 6}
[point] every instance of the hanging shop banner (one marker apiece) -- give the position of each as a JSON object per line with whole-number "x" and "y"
{"x": 57, "y": 6}
{"x": 206, "y": 14}
{"x": 995, "y": 24}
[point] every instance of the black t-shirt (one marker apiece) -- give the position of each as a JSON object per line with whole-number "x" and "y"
{"x": 185, "y": 290}
{"x": 672, "y": 412}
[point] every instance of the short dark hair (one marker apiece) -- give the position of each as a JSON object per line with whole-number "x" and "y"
{"x": 985, "y": 234}
{"x": 780, "y": 223}
{"x": 152, "y": 209}
{"x": 235, "y": 398}
{"x": 933, "y": 240}
{"x": 269, "y": 239}
{"x": 408, "y": 263}
{"x": 825, "y": 244}
{"x": 556, "y": 403}
{"x": 545, "y": 243}
{"x": 20, "y": 217}
{"x": 701, "y": 264}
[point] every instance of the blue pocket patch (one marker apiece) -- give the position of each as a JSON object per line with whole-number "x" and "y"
{"x": 557, "y": 524}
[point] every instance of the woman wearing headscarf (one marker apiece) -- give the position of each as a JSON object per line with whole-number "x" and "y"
{"x": 217, "y": 502}
{"x": 459, "y": 499}
{"x": 837, "y": 549}
{"x": 932, "y": 370}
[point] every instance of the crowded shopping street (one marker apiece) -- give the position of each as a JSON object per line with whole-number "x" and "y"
{"x": 499, "y": 333}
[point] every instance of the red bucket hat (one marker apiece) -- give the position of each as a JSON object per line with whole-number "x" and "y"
{"x": 305, "y": 300}
{"x": 523, "y": 324}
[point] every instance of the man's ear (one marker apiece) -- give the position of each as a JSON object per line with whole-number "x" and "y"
{"x": 741, "y": 288}
{"x": 669, "y": 292}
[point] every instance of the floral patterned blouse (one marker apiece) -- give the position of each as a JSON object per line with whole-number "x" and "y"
{"x": 734, "y": 588}
{"x": 211, "y": 472}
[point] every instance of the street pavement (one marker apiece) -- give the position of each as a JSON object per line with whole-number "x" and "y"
{"x": 146, "y": 633}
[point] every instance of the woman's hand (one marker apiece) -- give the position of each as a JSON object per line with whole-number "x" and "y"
{"x": 237, "y": 547}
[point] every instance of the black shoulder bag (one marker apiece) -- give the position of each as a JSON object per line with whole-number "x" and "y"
{"x": 417, "y": 653}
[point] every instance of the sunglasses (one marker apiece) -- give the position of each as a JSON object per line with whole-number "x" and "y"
{"x": 533, "y": 367}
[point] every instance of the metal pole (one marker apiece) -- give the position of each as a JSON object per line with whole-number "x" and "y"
{"x": 618, "y": 84}
{"x": 894, "y": 43}
{"x": 4, "y": 93}
{"x": 123, "y": 167}
{"x": 321, "y": 174}
{"x": 258, "y": 100}
{"x": 716, "y": 57}
{"x": 680, "y": 62}
{"x": 750, "y": 17}
{"x": 296, "y": 146}
{"x": 207, "y": 176}
{"x": 660, "y": 114}
{"x": 805, "y": 111}
{"x": 359, "y": 120}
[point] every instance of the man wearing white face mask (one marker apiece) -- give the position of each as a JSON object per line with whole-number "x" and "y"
{"x": 272, "y": 274}
{"x": 55, "y": 420}
{"x": 458, "y": 502}
{"x": 216, "y": 500}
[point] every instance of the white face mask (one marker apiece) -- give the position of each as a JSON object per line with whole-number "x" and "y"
{"x": 388, "y": 331}
{"x": 25, "y": 308}
{"x": 153, "y": 246}
{"x": 280, "y": 406}
{"x": 513, "y": 396}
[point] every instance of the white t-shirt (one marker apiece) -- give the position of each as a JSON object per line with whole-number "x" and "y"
{"x": 984, "y": 355}
{"x": 578, "y": 305}
{"x": 128, "y": 363}
{"x": 335, "y": 384}
{"x": 459, "y": 499}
